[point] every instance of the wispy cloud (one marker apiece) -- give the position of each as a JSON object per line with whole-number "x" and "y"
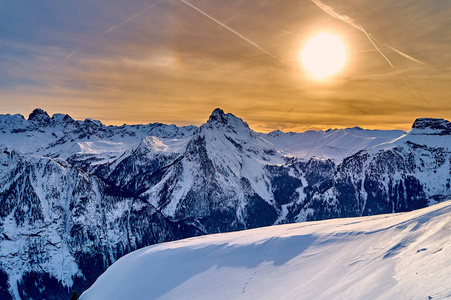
{"x": 233, "y": 31}
{"x": 114, "y": 27}
{"x": 139, "y": 62}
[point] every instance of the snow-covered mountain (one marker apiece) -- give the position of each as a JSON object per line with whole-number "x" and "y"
{"x": 333, "y": 144}
{"x": 77, "y": 195}
{"x": 396, "y": 256}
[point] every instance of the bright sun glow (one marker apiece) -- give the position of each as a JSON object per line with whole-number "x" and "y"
{"x": 323, "y": 55}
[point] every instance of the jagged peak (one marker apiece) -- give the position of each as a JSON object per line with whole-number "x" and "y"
{"x": 39, "y": 115}
{"x": 217, "y": 111}
{"x": 218, "y": 117}
{"x": 65, "y": 118}
{"x": 90, "y": 121}
{"x": 435, "y": 126}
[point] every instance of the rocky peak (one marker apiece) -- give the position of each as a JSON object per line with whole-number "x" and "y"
{"x": 432, "y": 126}
{"x": 220, "y": 119}
{"x": 218, "y": 115}
{"x": 62, "y": 118}
{"x": 40, "y": 117}
{"x": 275, "y": 133}
{"x": 91, "y": 122}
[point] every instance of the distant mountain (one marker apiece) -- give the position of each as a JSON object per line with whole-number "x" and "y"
{"x": 397, "y": 256}
{"x": 77, "y": 195}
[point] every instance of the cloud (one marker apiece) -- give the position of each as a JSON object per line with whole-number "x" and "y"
{"x": 233, "y": 31}
{"x": 171, "y": 64}
{"x": 114, "y": 27}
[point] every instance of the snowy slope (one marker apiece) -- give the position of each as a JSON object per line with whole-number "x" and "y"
{"x": 62, "y": 136}
{"x": 335, "y": 144}
{"x": 397, "y": 256}
{"x": 222, "y": 155}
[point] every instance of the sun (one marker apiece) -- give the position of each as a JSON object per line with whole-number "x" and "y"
{"x": 323, "y": 55}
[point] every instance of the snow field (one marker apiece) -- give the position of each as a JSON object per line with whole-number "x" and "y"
{"x": 396, "y": 256}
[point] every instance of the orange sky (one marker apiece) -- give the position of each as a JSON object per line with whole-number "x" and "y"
{"x": 163, "y": 61}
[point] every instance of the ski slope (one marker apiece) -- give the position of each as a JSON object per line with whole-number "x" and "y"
{"x": 395, "y": 256}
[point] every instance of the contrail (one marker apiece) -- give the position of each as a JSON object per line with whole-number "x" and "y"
{"x": 115, "y": 27}
{"x": 368, "y": 50}
{"x": 130, "y": 18}
{"x": 331, "y": 12}
{"x": 389, "y": 62}
{"x": 405, "y": 55}
{"x": 414, "y": 91}
{"x": 72, "y": 53}
{"x": 233, "y": 31}
{"x": 372, "y": 50}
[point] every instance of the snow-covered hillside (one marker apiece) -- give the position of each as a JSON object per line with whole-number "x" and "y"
{"x": 396, "y": 256}
{"x": 334, "y": 144}
{"x": 75, "y": 196}
{"x": 61, "y": 136}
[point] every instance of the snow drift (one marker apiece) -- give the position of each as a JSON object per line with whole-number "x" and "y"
{"x": 404, "y": 255}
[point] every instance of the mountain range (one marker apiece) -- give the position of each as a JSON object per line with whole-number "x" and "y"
{"x": 75, "y": 196}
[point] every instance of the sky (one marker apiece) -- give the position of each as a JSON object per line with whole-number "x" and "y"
{"x": 175, "y": 61}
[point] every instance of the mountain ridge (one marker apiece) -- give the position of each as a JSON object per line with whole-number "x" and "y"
{"x": 77, "y": 195}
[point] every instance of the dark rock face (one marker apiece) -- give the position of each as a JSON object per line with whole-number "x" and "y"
{"x": 64, "y": 221}
{"x": 362, "y": 185}
{"x": 39, "y": 285}
{"x": 218, "y": 115}
{"x": 440, "y": 126}
{"x": 4, "y": 286}
{"x": 39, "y": 117}
{"x": 283, "y": 185}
